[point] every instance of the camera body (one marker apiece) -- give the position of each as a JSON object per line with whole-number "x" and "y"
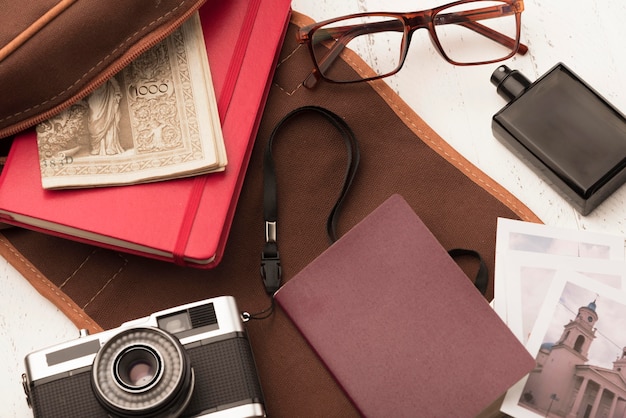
{"x": 193, "y": 360}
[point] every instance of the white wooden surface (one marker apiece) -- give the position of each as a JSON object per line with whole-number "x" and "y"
{"x": 457, "y": 102}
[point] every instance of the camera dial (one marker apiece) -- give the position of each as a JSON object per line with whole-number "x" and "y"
{"x": 143, "y": 372}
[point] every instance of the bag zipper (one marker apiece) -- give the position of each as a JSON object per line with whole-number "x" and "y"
{"x": 135, "y": 51}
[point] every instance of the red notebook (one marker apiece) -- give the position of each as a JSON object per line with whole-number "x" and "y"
{"x": 186, "y": 221}
{"x": 399, "y": 325}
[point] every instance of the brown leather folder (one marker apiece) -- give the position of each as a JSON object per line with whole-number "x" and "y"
{"x": 400, "y": 154}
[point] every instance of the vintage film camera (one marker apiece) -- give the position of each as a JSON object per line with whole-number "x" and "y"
{"x": 193, "y": 360}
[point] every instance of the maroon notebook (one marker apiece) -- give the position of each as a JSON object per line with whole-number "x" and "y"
{"x": 399, "y": 325}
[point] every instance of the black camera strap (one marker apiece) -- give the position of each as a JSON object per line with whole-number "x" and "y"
{"x": 271, "y": 272}
{"x": 270, "y": 259}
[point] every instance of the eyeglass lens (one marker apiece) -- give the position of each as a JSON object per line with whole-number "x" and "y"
{"x": 467, "y": 42}
{"x": 358, "y": 34}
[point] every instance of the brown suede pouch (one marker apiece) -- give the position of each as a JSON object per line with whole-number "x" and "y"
{"x": 399, "y": 154}
{"x": 54, "y": 52}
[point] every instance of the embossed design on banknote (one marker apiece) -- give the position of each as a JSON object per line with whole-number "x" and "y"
{"x": 156, "y": 119}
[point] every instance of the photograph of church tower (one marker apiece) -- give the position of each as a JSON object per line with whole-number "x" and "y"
{"x": 582, "y": 372}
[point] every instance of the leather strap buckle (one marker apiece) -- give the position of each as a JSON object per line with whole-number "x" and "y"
{"x": 271, "y": 271}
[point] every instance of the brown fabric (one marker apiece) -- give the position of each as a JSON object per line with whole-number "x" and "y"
{"x": 399, "y": 154}
{"x": 65, "y": 56}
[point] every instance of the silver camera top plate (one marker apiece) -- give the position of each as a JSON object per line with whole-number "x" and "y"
{"x": 191, "y": 323}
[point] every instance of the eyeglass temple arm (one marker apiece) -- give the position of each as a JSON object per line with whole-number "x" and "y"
{"x": 495, "y": 36}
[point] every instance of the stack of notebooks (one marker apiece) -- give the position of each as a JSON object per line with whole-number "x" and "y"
{"x": 184, "y": 220}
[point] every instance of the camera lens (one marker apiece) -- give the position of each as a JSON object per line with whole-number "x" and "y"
{"x": 138, "y": 367}
{"x": 143, "y": 372}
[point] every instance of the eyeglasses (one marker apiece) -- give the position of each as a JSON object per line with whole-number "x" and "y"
{"x": 466, "y": 32}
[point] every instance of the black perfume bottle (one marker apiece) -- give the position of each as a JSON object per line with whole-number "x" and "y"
{"x": 568, "y": 133}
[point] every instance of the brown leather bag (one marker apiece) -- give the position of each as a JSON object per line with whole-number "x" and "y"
{"x": 54, "y": 52}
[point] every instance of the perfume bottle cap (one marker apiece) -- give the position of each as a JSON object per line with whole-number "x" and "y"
{"x": 509, "y": 83}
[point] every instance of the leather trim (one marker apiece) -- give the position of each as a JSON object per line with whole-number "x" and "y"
{"x": 434, "y": 141}
{"x": 29, "y": 32}
{"x": 46, "y": 288}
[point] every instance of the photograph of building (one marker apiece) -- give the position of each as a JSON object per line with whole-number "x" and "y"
{"x": 565, "y": 383}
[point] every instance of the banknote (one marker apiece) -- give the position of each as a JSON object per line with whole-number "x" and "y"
{"x": 157, "y": 119}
